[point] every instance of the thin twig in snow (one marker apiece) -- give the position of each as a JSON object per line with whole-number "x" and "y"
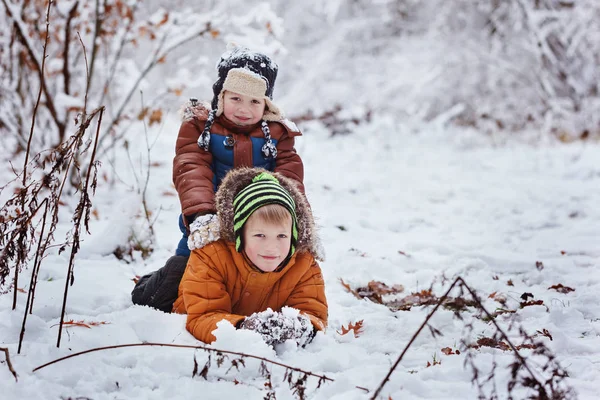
{"x": 33, "y": 117}
{"x": 66, "y": 72}
{"x": 9, "y": 364}
{"x": 184, "y": 346}
{"x": 81, "y": 212}
{"x": 97, "y": 29}
{"x": 34, "y": 276}
{"x": 87, "y": 75}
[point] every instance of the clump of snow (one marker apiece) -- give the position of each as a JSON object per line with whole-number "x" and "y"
{"x": 228, "y": 337}
{"x": 291, "y": 125}
{"x": 234, "y": 51}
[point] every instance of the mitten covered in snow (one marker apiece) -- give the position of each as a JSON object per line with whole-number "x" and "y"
{"x": 277, "y": 327}
{"x": 203, "y": 230}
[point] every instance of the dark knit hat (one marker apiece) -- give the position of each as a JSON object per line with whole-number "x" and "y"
{"x": 250, "y": 73}
{"x": 264, "y": 189}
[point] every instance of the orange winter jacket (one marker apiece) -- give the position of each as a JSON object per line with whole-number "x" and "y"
{"x": 220, "y": 283}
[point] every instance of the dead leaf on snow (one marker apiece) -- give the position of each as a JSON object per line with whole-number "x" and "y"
{"x": 561, "y": 289}
{"x": 355, "y": 328}
{"x": 448, "y": 351}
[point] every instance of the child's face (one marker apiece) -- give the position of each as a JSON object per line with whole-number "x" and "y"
{"x": 242, "y": 109}
{"x": 267, "y": 244}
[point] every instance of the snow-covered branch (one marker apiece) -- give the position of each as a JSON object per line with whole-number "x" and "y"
{"x": 123, "y": 44}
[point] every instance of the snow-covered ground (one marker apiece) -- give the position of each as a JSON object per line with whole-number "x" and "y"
{"x": 398, "y": 204}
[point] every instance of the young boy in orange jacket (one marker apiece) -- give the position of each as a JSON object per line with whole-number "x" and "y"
{"x": 262, "y": 274}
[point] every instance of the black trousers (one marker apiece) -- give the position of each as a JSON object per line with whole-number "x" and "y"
{"x": 159, "y": 289}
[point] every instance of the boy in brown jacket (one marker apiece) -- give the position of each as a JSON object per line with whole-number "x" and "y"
{"x": 262, "y": 274}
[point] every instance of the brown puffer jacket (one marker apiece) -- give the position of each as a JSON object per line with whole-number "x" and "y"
{"x": 220, "y": 283}
{"x": 194, "y": 168}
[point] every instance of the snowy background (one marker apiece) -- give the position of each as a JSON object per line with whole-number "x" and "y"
{"x": 409, "y": 196}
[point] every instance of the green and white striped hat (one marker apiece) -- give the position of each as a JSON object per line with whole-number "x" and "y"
{"x": 264, "y": 189}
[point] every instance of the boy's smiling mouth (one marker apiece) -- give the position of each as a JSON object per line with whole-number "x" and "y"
{"x": 243, "y": 118}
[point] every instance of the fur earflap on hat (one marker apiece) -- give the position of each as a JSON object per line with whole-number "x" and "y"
{"x": 238, "y": 179}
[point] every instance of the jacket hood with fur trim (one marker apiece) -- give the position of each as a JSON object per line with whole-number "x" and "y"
{"x": 237, "y": 179}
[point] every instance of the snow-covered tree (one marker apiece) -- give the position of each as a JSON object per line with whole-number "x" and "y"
{"x": 104, "y": 52}
{"x": 520, "y": 63}
{"x": 492, "y": 64}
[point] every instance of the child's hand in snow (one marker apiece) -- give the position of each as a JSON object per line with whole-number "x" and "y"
{"x": 276, "y": 327}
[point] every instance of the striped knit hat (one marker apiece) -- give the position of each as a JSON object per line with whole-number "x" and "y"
{"x": 264, "y": 189}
